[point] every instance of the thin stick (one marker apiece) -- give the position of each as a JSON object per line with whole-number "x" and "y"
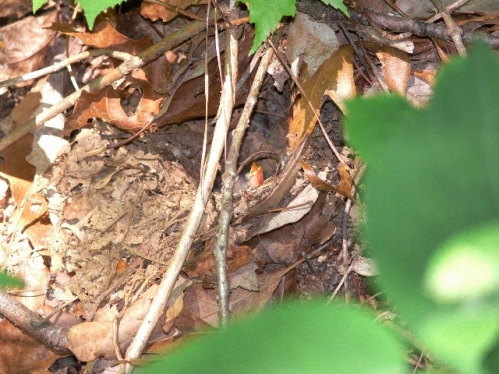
{"x": 450, "y": 8}
{"x": 62, "y": 64}
{"x": 220, "y": 250}
{"x": 203, "y": 194}
{"x": 343, "y": 279}
{"x": 454, "y": 30}
{"x": 229, "y": 179}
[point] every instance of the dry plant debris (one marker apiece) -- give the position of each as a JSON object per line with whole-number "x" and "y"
{"x": 93, "y": 233}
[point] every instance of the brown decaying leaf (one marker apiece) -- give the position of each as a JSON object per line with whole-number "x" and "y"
{"x": 344, "y": 187}
{"x": 396, "y": 66}
{"x": 20, "y": 175}
{"x": 15, "y": 8}
{"x": 156, "y": 11}
{"x": 23, "y": 111}
{"x": 91, "y": 340}
{"x": 25, "y": 43}
{"x": 106, "y": 104}
{"x": 203, "y": 304}
{"x": 334, "y": 77}
{"x": 205, "y": 267}
{"x": 284, "y": 244}
{"x": 21, "y": 354}
{"x": 189, "y": 100}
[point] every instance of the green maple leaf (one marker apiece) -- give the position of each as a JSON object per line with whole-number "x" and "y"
{"x": 92, "y": 8}
{"x": 266, "y": 15}
{"x": 338, "y": 4}
{"x": 432, "y": 174}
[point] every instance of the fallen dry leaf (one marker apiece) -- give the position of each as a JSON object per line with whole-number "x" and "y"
{"x": 21, "y": 354}
{"x": 334, "y": 78}
{"x": 157, "y": 11}
{"x": 25, "y": 42}
{"x": 344, "y": 187}
{"x": 395, "y": 65}
{"x": 106, "y": 104}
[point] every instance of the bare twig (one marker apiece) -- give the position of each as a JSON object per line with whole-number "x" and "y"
{"x": 450, "y": 8}
{"x": 343, "y": 279}
{"x": 228, "y": 180}
{"x": 220, "y": 250}
{"x": 454, "y": 30}
{"x": 204, "y": 192}
{"x": 62, "y": 64}
{"x": 34, "y": 325}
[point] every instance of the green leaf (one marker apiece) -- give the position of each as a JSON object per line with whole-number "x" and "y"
{"x": 463, "y": 336}
{"x": 93, "y": 8}
{"x": 432, "y": 173}
{"x": 265, "y": 15}
{"x": 466, "y": 267}
{"x": 309, "y": 338}
{"x": 338, "y": 4}
{"x": 8, "y": 281}
{"x": 37, "y": 4}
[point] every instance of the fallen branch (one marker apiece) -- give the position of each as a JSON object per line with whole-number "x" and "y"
{"x": 328, "y": 15}
{"x": 34, "y": 325}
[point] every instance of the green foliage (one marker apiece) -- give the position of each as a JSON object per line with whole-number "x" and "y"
{"x": 266, "y": 15}
{"x": 466, "y": 267}
{"x": 433, "y": 174}
{"x": 92, "y": 8}
{"x": 8, "y": 281}
{"x": 295, "y": 338}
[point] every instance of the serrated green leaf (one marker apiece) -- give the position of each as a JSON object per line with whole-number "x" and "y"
{"x": 8, "y": 281}
{"x": 266, "y": 15}
{"x": 432, "y": 173}
{"x": 338, "y": 4}
{"x": 93, "y": 8}
{"x": 309, "y": 338}
{"x": 37, "y": 4}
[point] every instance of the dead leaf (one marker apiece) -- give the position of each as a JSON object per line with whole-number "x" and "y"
{"x": 203, "y": 303}
{"x": 20, "y": 353}
{"x": 344, "y": 187}
{"x": 334, "y": 77}
{"x": 25, "y": 109}
{"x": 15, "y": 9}
{"x": 295, "y": 210}
{"x": 156, "y": 11}
{"x": 189, "y": 99}
{"x": 313, "y": 41}
{"x": 25, "y": 43}
{"x": 91, "y": 340}
{"x": 205, "y": 267}
{"x": 395, "y": 65}
{"x": 106, "y": 104}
